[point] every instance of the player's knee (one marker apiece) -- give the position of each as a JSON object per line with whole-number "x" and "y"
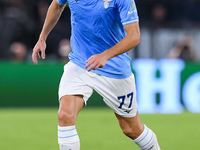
{"x": 127, "y": 131}
{"x": 130, "y": 132}
{"x": 66, "y": 118}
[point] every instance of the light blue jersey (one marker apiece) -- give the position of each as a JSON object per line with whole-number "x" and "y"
{"x": 97, "y": 25}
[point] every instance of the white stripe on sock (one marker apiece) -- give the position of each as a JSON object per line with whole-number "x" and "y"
{"x": 67, "y": 134}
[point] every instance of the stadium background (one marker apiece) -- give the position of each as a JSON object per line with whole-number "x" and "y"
{"x": 28, "y": 93}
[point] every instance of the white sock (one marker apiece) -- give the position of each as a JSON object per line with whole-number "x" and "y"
{"x": 147, "y": 140}
{"x": 68, "y": 138}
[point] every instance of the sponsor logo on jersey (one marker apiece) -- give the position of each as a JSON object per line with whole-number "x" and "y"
{"x": 132, "y": 5}
{"x": 106, "y": 3}
{"x": 133, "y": 9}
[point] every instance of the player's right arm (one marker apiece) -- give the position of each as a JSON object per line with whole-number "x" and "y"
{"x": 53, "y": 15}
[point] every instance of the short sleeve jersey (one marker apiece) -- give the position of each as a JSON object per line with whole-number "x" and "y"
{"x": 98, "y": 25}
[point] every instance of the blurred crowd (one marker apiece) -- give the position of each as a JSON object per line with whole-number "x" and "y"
{"x": 21, "y": 22}
{"x": 20, "y": 25}
{"x": 169, "y": 13}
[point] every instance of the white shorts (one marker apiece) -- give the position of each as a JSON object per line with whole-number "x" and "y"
{"x": 118, "y": 94}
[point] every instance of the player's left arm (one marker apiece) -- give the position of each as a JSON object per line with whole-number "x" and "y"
{"x": 131, "y": 40}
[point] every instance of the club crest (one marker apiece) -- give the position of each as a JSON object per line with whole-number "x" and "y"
{"x": 106, "y": 3}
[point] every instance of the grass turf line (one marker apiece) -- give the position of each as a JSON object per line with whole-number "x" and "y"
{"x": 31, "y": 129}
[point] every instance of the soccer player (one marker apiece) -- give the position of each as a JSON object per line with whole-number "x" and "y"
{"x": 102, "y": 33}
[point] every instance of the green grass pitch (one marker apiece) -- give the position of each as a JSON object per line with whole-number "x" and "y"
{"x": 36, "y": 129}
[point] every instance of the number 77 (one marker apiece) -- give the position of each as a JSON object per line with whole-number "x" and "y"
{"x": 123, "y": 98}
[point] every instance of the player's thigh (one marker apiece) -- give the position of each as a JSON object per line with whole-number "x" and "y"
{"x": 73, "y": 93}
{"x": 118, "y": 94}
{"x": 71, "y": 103}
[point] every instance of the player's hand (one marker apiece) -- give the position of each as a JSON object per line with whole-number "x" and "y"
{"x": 39, "y": 47}
{"x": 96, "y": 61}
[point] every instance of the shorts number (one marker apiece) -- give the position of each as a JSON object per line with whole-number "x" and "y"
{"x": 123, "y": 98}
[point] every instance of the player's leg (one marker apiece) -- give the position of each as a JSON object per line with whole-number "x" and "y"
{"x": 131, "y": 127}
{"x": 144, "y": 137}
{"x": 73, "y": 95}
{"x": 120, "y": 95}
{"x": 70, "y": 106}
